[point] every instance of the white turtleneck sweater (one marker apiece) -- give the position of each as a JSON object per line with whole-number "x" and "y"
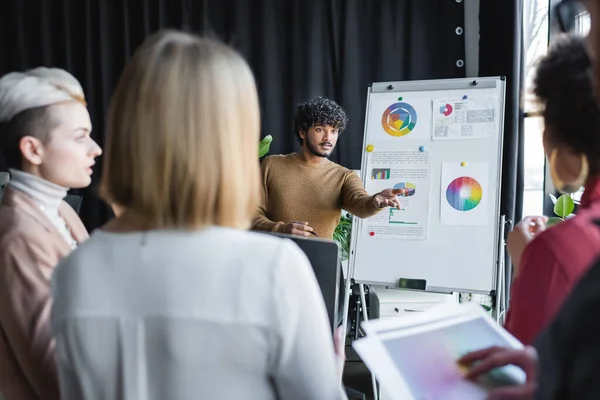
{"x": 48, "y": 196}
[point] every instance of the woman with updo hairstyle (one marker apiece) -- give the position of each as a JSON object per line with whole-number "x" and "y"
{"x": 175, "y": 298}
{"x": 45, "y": 139}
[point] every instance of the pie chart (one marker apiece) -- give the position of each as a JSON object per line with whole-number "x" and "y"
{"x": 399, "y": 119}
{"x": 446, "y": 110}
{"x": 408, "y": 189}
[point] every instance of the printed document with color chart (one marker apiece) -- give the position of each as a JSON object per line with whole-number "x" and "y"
{"x": 414, "y": 357}
{"x": 465, "y": 118}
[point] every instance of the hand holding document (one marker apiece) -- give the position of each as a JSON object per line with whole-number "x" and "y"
{"x": 416, "y": 357}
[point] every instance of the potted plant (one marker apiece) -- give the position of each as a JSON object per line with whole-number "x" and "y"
{"x": 341, "y": 235}
{"x": 264, "y": 145}
{"x": 564, "y": 206}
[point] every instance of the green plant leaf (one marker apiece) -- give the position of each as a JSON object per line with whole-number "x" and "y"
{"x": 553, "y": 198}
{"x": 564, "y": 206}
{"x": 553, "y": 221}
{"x": 342, "y": 235}
{"x": 264, "y": 145}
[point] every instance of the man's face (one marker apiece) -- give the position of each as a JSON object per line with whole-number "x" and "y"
{"x": 321, "y": 139}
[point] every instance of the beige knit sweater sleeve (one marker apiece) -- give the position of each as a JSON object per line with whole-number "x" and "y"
{"x": 355, "y": 198}
{"x": 262, "y": 222}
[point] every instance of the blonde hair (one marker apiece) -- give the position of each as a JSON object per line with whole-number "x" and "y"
{"x": 182, "y": 135}
{"x": 34, "y": 88}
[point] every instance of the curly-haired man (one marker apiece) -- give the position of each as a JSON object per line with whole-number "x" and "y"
{"x": 305, "y": 192}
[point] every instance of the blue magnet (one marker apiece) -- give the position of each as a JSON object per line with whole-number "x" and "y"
{"x": 465, "y": 97}
{"x": 422, "y": 149}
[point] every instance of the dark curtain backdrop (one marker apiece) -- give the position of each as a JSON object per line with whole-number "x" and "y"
{"x": 297, "y": 49}
{"x": 500, "y": 53}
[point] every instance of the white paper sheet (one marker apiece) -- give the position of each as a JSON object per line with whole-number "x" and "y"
{"x": 407, "y": 170}
{"x": 394, "y": 118}
{"x": 466, "y": 118}
{"x": 381, "y": 365}
{"x": 465, "y": 193}
{"x": 415, "y": 357}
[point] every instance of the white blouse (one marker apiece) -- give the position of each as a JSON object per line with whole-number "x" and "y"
{"x": 214, "y": 314}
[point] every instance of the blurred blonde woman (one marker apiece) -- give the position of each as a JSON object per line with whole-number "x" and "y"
{"x": 45, "y": 139}
{"x": 175, "y": 299}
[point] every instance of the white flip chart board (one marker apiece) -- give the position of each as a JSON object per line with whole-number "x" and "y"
{"x": 440, "y": 141}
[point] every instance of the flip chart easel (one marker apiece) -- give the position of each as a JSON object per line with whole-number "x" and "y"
{"x": 440, "y": 141}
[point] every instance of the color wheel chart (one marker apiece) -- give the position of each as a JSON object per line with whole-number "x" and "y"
{"x": 464, "y": 193}
{"x": 399, "y": 119}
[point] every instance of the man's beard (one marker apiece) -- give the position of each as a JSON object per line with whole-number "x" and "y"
{"x": 315, "y": 150}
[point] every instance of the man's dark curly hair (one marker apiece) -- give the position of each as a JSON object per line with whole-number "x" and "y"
{"x": 564, "y": 85}
{"x": 319, "y": 111}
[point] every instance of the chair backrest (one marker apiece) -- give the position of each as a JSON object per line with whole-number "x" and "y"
{"x": 74, "y": 201}
{"x": 324, "y": 256}
{"x": 4, "y": 178}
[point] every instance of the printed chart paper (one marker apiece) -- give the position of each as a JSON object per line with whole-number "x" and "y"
{"x": 465, "y": 193}
{"x": 408, "y": 171}
{"x": 396, "y": 119}
{"x": 470, "y": 118}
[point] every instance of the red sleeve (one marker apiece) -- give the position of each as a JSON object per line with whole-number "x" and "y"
{"x": 538, "y": 292}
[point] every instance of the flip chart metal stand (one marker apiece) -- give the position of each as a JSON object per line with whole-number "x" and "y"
{"x": 499, "y": 296}
{"x": 501, "y": 301}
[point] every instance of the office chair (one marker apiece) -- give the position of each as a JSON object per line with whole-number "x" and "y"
{"x": 74, "y": 201}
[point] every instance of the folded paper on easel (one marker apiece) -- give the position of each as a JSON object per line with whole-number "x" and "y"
{"x": 414, "y": 358}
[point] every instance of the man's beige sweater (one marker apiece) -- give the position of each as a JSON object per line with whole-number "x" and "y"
{"x": 295, "y": 190}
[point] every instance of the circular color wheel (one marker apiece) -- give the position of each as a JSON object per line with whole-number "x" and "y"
{"x": 464, "y": 193}
{"x": 399, "y": 119}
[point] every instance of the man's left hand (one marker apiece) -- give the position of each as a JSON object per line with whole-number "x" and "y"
{"x": 387, "y": 198}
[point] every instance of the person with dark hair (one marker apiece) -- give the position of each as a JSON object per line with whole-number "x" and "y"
{"x": 549, "y": 262}
{"x": 304, "y": 192}
{"x": 318, "y": 111}
{"x": 563, "y": 364}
